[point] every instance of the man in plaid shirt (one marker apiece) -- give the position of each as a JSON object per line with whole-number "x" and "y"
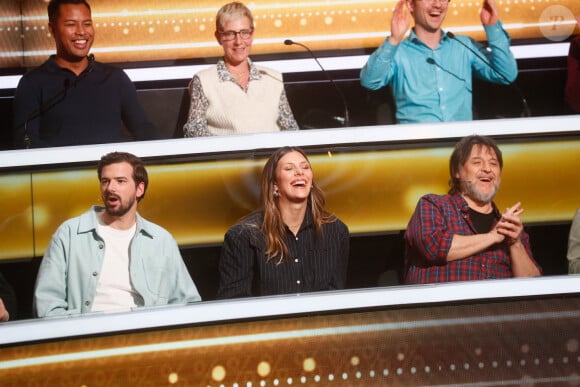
{"x": 462, "y": 235}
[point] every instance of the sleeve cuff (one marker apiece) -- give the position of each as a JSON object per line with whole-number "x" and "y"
{"x": 495, "y": 32}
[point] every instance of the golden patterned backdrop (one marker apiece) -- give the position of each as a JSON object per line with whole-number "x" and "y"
{"x": 371, "y": 191}
{"x": 169, "y": 30}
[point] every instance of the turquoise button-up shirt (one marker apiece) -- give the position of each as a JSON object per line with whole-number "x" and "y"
{"x": 436, "y": 85}
{"x": 69, "y": 272}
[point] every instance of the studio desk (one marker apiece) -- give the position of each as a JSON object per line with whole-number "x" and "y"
{"x": 484, "y": 333}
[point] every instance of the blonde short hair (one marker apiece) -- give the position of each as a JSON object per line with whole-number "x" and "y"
{"x": 231, "y": 11}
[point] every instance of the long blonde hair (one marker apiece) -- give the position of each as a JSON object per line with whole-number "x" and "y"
{"x": 273, "y": 227}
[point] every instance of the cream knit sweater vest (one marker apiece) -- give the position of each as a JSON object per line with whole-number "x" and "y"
{"x": 233, "y": 111}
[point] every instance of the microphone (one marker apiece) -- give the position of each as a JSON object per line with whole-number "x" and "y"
{"x": 433, "y": 62}
{"x": 55, "y": 99}
{"x": 346, "y": 122}
{"x": 526, "y": 109}
{"x": 268, "y": 74}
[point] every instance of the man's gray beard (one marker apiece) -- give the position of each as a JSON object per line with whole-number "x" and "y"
{"x": 471, "y": 191}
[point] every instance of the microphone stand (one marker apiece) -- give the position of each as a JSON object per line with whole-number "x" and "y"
{"x": 55, "y": 99}
{"x": 526, "y": 109}
{"x": 346, "y": 123}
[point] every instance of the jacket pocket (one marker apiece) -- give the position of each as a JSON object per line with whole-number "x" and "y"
{"x": 158, "y": 283}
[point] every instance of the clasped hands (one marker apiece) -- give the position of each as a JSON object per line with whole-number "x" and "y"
{"x": 510, "y": 227}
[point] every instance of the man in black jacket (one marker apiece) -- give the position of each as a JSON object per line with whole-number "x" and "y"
{"x": 71, "y": 99}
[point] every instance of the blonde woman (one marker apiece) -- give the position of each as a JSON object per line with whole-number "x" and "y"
{"x": 235, "y": 96}
{"x": 291, "y": 244}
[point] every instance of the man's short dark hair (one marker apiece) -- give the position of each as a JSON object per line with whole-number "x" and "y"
{"x": 139, "y": 171}
{"x": 54, "y": 7}
{"x": 461, "y": 154}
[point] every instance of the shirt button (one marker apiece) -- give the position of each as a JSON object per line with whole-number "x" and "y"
{"x": 101, "y": 246}
{"x": 440, "y": 89}
{"x": 94, "y": 273}
{"x": 298, "y": 282}
{"x": 87, "y": 303}
{"x": 296, "y": 260}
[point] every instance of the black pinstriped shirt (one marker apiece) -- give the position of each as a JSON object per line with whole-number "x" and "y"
{"x": 317, "y": 261}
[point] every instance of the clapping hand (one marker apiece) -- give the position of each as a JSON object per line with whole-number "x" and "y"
{"x": 400, "y": 22}
{"x": 510, "y": 224}
{"x": 489, "y": 13}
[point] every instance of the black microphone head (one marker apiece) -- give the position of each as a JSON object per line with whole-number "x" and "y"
{"x": 450, "y": 34}
{"x": 91, "y": 58}
{"x": 431, "y": 61}
{"x": 288, "y": 42}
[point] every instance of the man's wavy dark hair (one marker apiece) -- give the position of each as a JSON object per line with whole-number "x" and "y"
{"x": 461, "y": 154}
{"x": 139, "y": 171}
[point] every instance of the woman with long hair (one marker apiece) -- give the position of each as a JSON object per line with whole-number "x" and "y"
{"x": 290, "y": 244}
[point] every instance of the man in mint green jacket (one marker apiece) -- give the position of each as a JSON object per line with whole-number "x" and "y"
{"x": 110, "y": 258}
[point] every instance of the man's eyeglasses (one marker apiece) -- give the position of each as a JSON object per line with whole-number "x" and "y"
{"x": 231, "y": 35}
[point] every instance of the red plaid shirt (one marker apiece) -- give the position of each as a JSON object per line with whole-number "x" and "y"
{"x": 428, "y": 240}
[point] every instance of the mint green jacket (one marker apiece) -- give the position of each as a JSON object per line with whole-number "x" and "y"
{"x": 69, "y": 272}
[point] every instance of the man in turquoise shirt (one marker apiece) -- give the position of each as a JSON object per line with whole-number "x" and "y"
{"x": 430, "y": 72}
{"x": 110, "y": 258}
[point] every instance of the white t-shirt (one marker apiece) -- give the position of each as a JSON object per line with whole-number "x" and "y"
{"x": 114, "y": 289}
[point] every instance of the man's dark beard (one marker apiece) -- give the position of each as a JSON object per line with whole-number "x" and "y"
{"x": 122, "y": 209}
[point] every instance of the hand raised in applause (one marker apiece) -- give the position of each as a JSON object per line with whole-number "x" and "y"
{"x": 489, "y": 13}
{"x": 400, "y": 22}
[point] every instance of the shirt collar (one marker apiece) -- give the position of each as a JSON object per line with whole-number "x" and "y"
{"x": 90, "y": 222}
{"x": 414, "y": 39}
{"x": 461, "y": 203}
{"x": 307, "y": 221}
{"x": 54, "y": 67}
{"x": 225, "y": 76}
